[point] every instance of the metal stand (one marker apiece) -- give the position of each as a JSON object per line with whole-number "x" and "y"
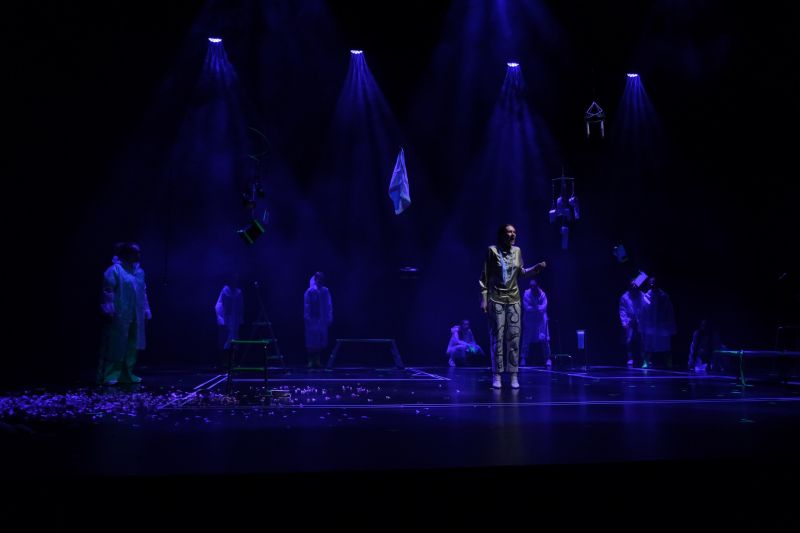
{"x": 235, "y": 344}
{"x": 262, "y": 321}
{"x": 235, "y": 366}
{"x": 583, "y": 345}
{"x": 781, "y": 355}
{"x": 398, "y": 362}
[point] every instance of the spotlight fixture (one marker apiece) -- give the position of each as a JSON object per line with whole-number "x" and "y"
{"x": 356, "y": 52}
{"x": 214, "y": 40}
{"x": 632, "y": 75}
{"x": 512, "y": 64}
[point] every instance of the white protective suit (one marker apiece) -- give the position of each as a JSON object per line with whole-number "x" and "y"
{"x": 632, "y": 305}
{"x": 318, "y": 315}
{"x": 125, "y": 303}
{"x": 534, "y": 317}
{"x": 230, "y": 313}
{"x": 658, "y": 322}
{"x": 535, "y": 328}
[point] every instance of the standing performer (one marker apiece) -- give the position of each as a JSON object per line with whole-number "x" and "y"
{"x": 318, "y": 315}
{"x": 126, "y": 308}
{"x": 500, "y": 299}
{"x": 230, "y": 316}
{"x": 535, "y": 328}
{"x": 632, "y": 305}
{"x": 658, "y": 326}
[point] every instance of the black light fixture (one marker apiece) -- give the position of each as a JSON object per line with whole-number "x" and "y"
{"x": 248, "y": 202}
{"x": 251, "y": 232}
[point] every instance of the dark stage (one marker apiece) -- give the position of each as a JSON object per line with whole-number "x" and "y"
{"x": 437, "y": 179}
{"x": 415, "y": 418}
{"x": 656, "y": 438}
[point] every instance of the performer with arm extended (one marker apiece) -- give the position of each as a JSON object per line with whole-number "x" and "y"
{"x": 500, "y": 300}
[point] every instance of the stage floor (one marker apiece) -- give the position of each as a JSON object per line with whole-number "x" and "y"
{"x": 568, "y": 448}
{"x": 181, "y": 422}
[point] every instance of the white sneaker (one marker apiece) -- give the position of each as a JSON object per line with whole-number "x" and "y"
{"x": 514, "y": 381}
{"x": 451, "y": 362}
{"x": 549, "y": 363}
{"x": 630, "y": 362}
{"x": 496, "y": 383}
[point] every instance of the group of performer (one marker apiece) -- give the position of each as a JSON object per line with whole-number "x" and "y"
{"x": 317, "y": 315}
{"x": 647, "y": 316}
